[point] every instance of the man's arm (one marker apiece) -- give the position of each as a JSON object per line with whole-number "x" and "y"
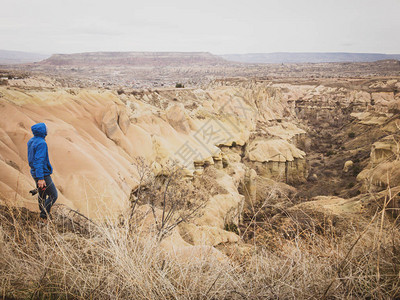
{"x": 38, "y": 163}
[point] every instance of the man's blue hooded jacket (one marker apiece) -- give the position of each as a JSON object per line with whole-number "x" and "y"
{"x": 38, "y": 156}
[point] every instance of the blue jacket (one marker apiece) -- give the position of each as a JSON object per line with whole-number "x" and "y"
{"x": 38, "y": 155}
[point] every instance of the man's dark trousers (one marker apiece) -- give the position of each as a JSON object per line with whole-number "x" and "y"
{"x": 47, "y": 197}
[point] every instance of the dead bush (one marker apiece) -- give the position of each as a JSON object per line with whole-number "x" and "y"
{"x": 173, "y": 199}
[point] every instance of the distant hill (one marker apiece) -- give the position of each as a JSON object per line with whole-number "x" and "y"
{"x": 134, "y": 59}
{"x": 308, "y": 57}
{"x": 8, "y": 57}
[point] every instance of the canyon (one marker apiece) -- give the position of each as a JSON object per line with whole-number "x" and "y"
{"x": 186, "y": 176}
{"x": 322, "y": 145}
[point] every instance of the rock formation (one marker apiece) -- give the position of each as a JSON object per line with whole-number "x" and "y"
{"x": 251, "y": 133}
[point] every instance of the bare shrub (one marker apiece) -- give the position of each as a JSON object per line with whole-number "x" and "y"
{"x": 177, "y": 198}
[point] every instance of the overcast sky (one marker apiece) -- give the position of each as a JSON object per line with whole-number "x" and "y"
{"x": 217, "y": 26}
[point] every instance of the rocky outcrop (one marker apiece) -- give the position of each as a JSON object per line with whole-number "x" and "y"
{"x": 277, "y": 159}
{"x": 323, "y": 214}
{"x": 347, "y": 166}
{"x": 383, "y": 168}
{"x": 387, "y": 149}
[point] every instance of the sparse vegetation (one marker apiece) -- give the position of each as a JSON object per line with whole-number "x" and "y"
{"x": 172, "y": 198}
{"x": 70, "y": 259}
{"x": 351, "y": 135}
{"x": 179, "y": 86}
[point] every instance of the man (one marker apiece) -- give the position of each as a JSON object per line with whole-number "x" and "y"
{"x": 41, "y": 169}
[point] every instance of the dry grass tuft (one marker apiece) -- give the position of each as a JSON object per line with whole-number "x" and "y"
{"x": 63, "y": 260}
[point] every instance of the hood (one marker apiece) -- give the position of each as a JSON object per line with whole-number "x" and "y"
{"x": 39, "y": 130}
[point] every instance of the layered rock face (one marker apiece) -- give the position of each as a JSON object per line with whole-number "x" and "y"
{"x": 382, "y": 170}
{"x": 278, "y": 159}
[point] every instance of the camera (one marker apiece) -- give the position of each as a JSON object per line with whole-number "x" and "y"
{"x": 33, "y": 192}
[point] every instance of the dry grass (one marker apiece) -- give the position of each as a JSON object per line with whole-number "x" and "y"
{"x": 72, "y": 258}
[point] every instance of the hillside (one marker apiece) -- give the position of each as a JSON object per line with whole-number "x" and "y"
{"x": 153, "y": 59}
{"x": 308, "y": 57}
{"x": 17, "y": 57}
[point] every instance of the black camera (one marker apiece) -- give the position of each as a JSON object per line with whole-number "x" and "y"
{"x": 33, "y": 192}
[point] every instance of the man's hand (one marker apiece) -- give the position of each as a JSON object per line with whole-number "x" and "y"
{"x": 41, "y": 183}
